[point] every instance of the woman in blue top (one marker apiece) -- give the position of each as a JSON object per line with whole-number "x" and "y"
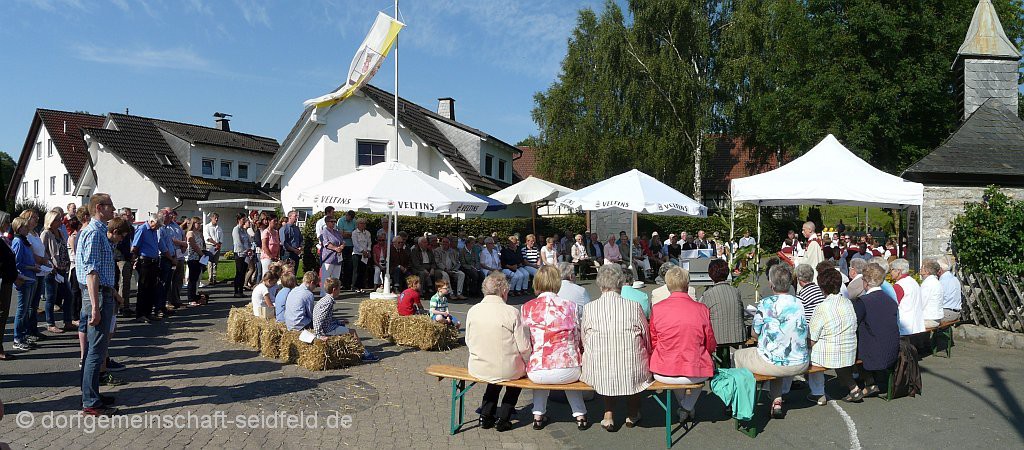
{"x": 781, "y": 329}
{"x": 27, "y": 270}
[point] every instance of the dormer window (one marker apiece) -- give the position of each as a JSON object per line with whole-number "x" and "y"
{"x": 208, "y": 167}
{"x": 164, "y": 160}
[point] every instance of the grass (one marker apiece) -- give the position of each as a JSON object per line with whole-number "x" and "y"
{"x": 226, "y": 270}
{"x": 852, "y": 217}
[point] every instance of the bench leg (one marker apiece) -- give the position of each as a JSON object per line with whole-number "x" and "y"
{"x": 667, "y": 406}
{"x": 459, "y": 390}
{"x": 750, "y": 428}
{"x": 890, "y": 391}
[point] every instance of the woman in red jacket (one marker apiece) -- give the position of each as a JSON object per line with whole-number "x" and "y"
{"x": 682, "y": 341}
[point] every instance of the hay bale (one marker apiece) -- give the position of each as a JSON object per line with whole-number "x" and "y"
{"x": 289, "y": 348}
{"x": 375, "y": 315}
{"x": 336, "y": 352}
{"x": 423, "y": 333}
{"x": 270, "y": 339}
{"x": 240, "y": 325}
{"x": 255, "y": 328}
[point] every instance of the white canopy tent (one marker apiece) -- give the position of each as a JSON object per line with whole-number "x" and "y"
{"x": 633, "y": 191}
{"x": 806, "y": 181}
{"x": 531, "y": 190}
{"x": 392, "y": 187}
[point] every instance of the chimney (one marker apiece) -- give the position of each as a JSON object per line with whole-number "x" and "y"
{"x": 446, "y": 107}
{"x": 223, "y": 123}
{"x": 986, "y": 64}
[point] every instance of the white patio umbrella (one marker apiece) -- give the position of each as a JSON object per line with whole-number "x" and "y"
{"x": 531, "y": 190}
{"x": 633, "y": 191}
{"x": 392, "y": 187}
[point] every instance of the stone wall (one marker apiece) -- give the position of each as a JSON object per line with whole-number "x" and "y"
{"x": 941, "y": 205}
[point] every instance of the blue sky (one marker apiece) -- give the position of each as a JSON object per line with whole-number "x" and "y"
{"x": 258, "y": 60}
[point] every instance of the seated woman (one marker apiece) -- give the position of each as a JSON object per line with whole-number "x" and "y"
{"x": 682, "y": 341}
{"x": 617, "y": 347}
{"x": 782, "y": 345}
{"x": 499, "y": 349}
{"x": 833, "y": 333}
{"x": 878, "y": 332}
{"x": 633, "y": 294}
{"x": 723, "y": 300}
{"x": 553, "y": 326}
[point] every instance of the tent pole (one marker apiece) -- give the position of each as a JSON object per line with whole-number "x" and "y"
{"x": 632, "y": 227}
{"x": 732, "y": 230}
{"x": 757, "y": 254}
{"x": 533, "y": 216}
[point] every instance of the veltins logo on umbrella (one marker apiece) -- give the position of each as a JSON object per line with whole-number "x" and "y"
{"x": 391, "y": 204}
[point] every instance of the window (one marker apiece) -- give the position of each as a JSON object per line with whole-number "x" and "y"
{"x": 53, "y": 185}
{"x": 501, "y": 169}
{"x": 39, "y": 150}
{"x": 24, "y": 189}
{"x": 35, "y": 188}
{"x": 488, "y": 162}
{"x": 370, "y": 153}
{"x": 208, "y": 167}
{"x": 49, "y": 148}
{"x": 67, "y": 183}
{"x": 225, "y": 168}
{"x": 164, "y": 160}
{"x": 243, "y": 171}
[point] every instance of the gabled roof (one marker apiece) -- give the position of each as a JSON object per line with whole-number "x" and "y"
{"x": 65, "y": 129}
{"x": 526, "y": 165}
{"x": 138, "y": 141}
{"x": 986, "y": 37}
{"x": 988, "y": 148}
{"x": 733, "y": 159}
{"x": 417, "y": 119}
{"x": 195, "y": 134}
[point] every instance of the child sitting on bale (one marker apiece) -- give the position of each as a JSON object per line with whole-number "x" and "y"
{"x": 324, "y": 322}
{"x": 409, "y": 299}
{"x": 439, "y": 305}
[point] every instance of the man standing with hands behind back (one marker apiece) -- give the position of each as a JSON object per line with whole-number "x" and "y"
{"x": 94, "y": 262}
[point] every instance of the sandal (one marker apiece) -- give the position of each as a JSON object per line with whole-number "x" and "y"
{"x": 6, "y": 357}
{"x": 873, "y": 391}
{"x": 777, "y": 412}
{"x": 855, "y": 396}
{"x": 53, "y": 329}
{"x": 633, "y": 421}
{"x": 608, "y": 425}
{"x": 539, "y": 424}
{"x": 582, "y": 423}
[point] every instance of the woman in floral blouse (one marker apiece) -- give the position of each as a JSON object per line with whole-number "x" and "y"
{"x": 781, "y": 328}
{"x": 553, "y": 325}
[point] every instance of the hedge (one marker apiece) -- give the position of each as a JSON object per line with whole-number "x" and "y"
{"x": 987, "y": 236}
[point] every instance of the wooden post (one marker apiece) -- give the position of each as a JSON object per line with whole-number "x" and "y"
{"x": 533, "y": 216}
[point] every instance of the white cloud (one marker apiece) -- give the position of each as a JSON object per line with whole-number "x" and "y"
{"x": 200, "y": 7}
{"x": 53, "y": 5}
{"x": 121, "y": 4}
{"x": 147, "y": 58}
{"x": 254, "y": 12}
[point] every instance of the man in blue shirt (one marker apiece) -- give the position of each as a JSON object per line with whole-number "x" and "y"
{"x": 298, "y": 309}
{"x": 146, "y": 252}
{"x": 94, "y": 262}
{"x": 168, "y": 261}
{"x": 177, "y": 276}
{"x": 347, "y": 225}
{"x": 952, "y": 292}
{"x": 291, "y": 239}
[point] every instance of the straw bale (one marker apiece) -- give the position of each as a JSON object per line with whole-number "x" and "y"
{"x": 336, "y": 352}
{"x": 270, "y": 338}
{"x": 240, "y": 321}
{"x": 423, "y": 333}
{"x": 375, "y": 315}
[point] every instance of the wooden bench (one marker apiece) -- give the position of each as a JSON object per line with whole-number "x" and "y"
{"x": 460, "y": 375}
{"x": 944, "y": 329}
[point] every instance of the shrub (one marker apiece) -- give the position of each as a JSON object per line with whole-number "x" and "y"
{"x": 987, "y": 236}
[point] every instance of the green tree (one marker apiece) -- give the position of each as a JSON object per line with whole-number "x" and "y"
{"x": 986, "y": 237}
{"x": 874, "y": 73}
{"x": 7, "y": 167}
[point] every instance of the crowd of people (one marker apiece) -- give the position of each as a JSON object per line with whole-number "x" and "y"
{"x": 620, "y": 343}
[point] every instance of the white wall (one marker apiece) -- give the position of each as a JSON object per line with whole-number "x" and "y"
{"x": 49, "y": 165}
{"x": 331, "y": 149}
{"x": 127, "y": 187}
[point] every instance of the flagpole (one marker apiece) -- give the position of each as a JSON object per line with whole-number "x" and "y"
{"x": 392, "y": 156}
